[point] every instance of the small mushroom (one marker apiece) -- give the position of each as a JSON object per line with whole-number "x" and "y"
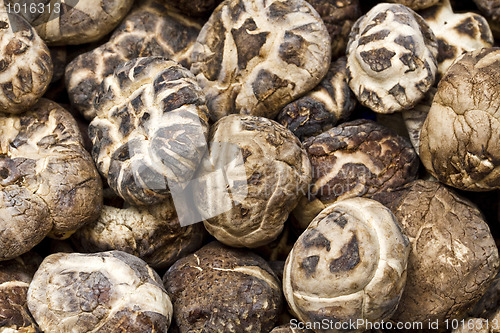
{"x": 221, "y": 289}
{"x": 460, "y": 139}
{"x": 102, "y": 292}
{"x": 356, "y": 158}
{"x": 151, "y": 129}
{"x": 323, "y": 107}
{"x": 25, "y": 64}
{"x": 453, "y": 259}
{"x": 274, "y": 170}
{"x": 416, "y": 4}
{"x": 391, "y": 58}
{"x": 254, "y": 57}
{"x": 151, "y": 29}
{"x": 48, "y": 181}
{"x": 349, "y": 265}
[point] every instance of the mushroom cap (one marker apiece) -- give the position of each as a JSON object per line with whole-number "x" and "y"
{"x": 221, "y": 289}
{"x": 254, "y": 57}
{"x": 49, "y": 182}
{"x": 460, "y": 138}
{"x": 151, "y": 29}
{"x": 151, "y": 128}
{"x": 391, "y": 58}
{"x": 349, "y": 264}
{"x": 454, "y": 257}
{"x": 25, "y": 64}
{"x": 274, "y": 170}
{"x": 490, "y": 8}
{"x": 102, "y": 292}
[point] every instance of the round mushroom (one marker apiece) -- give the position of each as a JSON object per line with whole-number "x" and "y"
{"x": 265, "y": 184}
{"x": 152, "y": 29}
{"x": 25, "y": 64}
{"x": 254, "y": 57}
{"x": 460, "y": 138}
{"x": 323, "y": 107}
{"x": 48, "y": 181}
{"x": 349, "y": 265}
{"x": 453, "y": 259}
{"x": 391, "y": 58}
{"x": 151, "y": 129}
{"x": 357, "y": 158}
{"x": 102, "y": 292}
{"x": 221, "y": 289}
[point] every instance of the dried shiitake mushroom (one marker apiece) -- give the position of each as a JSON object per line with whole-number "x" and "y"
{"x": 416, "y": 4}
{"x": 491, "y": 9}
{"x": 72, "y": 22}
{"x": 152, "y": 233}
{"x": 151, "y": 129}
{"x": 151, "y": 29}
{"x": 323, "y": 107}
{"x": 349, "y": 264}
{"x": 456, "y": 33}
{"x": 220, "y": 289}
{"x": 254, "y": 57}
{"x": 356, "y": 158}
{"x": 276, "y": 174}
{"x": 48, "y": 182}
{"x": 460, "y": 139}
{"x": 25, "y": 64}
{"x": 453, "y": 258}
{"x": 391, "y": 58}
{"x": 102, "y": 292}
{"x": 15, "y": 278}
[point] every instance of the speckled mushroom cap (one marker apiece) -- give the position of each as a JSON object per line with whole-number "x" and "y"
{"x": 456, "y": 33}
{"x": 102, "y": 292}
{"x": 194, "y": 7}
{"x": 15, "y": 278}
{"x": 151, "y": 29}
{"x": 323, "y": 107}
{"x": 416, "y": 4}
{"x": 221, "y": 289}
{"x": 254, "y": 57}
{"x": 453, "y": 257}
{"x": 75, "y": 22}
{"x": 48, "y": 182}
{"x": 349, "y": 264}
{"x": 151, "y": 128}
{"x": 356, "y": 158}
{"x": 25, "y": 64}
{"x": 460, "y": 139}
{"x": 277, "y": 173}
{"x": 391, "y": 58}
{"x": 152, "y": 233}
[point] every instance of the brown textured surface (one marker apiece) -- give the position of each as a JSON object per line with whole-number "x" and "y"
{"x": 460, "y": 139}
{"x": 453, "y": 257}
{"x": 220, "y": 289}
{"x": 323, "y": 107}
{"x": 151, "y": 29}
{"x": 194, "y": 7}
{"x": 48, "y": 181}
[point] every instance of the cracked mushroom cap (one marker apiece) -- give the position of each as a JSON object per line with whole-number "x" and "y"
{"x": 456, "y": 33}
{"x": 254, "y": 57}
{"x": 355, "y": 159}
{"x": 221, "y": 289}
{"x": 151, "y": 129}
{"x": 151, "y": 29}
{"x": 323, "y": 107}
{"x": 152, "y": 233}
{"x": 460, "y": 138}
{"x": 102, "y": 292}
{"x": 349, "y": 264}
{"x": 391, "y": 58}
{"x": 25, "y": 64}
{"x": 48, "y": 181}
{"x": 274, "y": 173}
{"x": 74, "y": 22}
{"x": 454, "y": 257}
{"x": 15, "y": 278}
